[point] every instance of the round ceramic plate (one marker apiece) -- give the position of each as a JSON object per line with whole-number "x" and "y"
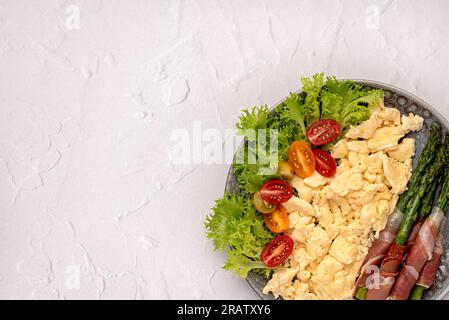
{"x": 406, "y": 103}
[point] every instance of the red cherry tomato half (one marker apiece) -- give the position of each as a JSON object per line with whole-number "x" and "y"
{"x": 277, "y": 251}
{"x": 325, "y": 164}
{"x": 323, "y": 131}
{"x": 276, "y": 191}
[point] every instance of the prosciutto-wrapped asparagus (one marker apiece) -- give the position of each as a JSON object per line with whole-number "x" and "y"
{"x": 391, "y": 265}
{"x": 381, "y": 245}
{"x": 423, "y": 248}
{"x": 429, "y": 272}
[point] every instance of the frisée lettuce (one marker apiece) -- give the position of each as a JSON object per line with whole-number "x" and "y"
{"x": 234, "y": 225}
{"x": 237, "y": 229}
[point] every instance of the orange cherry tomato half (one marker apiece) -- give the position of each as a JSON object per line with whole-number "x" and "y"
{"x": 276, "y": 191}
{"x": 277, "y": 251}
{"x": 278, "y": 220}
{"x": 323, "y": 131}
{"x": 325, "y": 164}
{"x": 301, "y": 159}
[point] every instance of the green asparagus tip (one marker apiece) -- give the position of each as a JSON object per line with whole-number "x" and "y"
{"x": 435, "y": 125}
{"x": 427, "y": 202}
{"x": 425, "y": 159}
{"x": 443, "y": 199}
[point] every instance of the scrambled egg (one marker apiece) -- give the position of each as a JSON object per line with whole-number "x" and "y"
{"x": 334, "y": 220}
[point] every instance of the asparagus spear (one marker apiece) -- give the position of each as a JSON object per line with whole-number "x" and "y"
{"x": 424, "y": 211}
{"x": 414, "y": 203}
{"x": 417, "y": 292}
{"x": 426, "y": 157}
{"x": 360, "y": 293}
{"x": 427, "y": 202}
{"x": 443, "y": 199}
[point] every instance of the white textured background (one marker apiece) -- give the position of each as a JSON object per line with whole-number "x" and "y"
{"x": 86, "y": 186}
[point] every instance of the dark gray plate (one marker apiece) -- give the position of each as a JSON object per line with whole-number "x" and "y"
{"x": 406, "y": 103}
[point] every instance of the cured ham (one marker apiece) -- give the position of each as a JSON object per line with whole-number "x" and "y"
{"x": 380, "y": 292}
{"x": 428, "y": 274}
{"x": 404, "y": 283}
{"x": 374, "y": 257}
{"x": 414, "y": 233}
{"x": 393, "y": 260}
{"x": 380, "y": 247}
{"x": 420, "y": 253}
{"x": 389, "y": 269}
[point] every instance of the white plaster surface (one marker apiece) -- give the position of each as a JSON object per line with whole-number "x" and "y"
{"x": 87, "y": 190}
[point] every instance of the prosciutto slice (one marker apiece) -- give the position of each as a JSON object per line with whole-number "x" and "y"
{"x": 380, "y": 247}
{"x": 389, "y": 269}
{"x": 428, "y": 274}
{"x": 393, "y": 260}
{"x": 380, "y": 292}
{"x": 420, "y": 253}
{"x": 414, "y": 233}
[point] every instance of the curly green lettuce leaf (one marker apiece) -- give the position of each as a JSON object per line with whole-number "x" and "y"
{"x": 218, "y": 225}
{"x": 251, "y": 121}
{"x": 348, "y": 102}
{"x": 346, "y": 89}
{"x": 360, "y": 109}
{"x": 288, "y": 133}
{"x": 242, "y": 265}
{"x": 249, "y": 179}
{"x": 236, "y": 228}
{"x": 256, "y": 162}
{"x": 250, "y": 174}
{"x": 312, "y": 87}
{"x": 294, "y": 112}
{"x": 289, "y": 121}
